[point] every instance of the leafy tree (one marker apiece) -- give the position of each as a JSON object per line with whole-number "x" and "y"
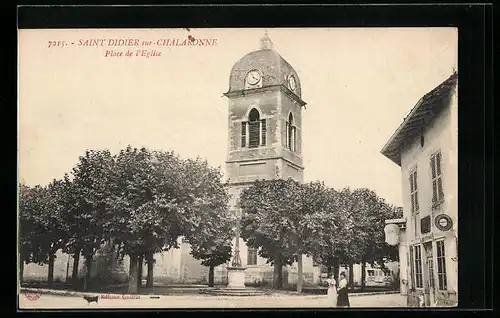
{"x": 158, "y": 197}
{"x": 274, "y": 221}
{"x": 330, "y": 229}
{"x": 210, "y": 239}
{"x": 145, "y": 204}
{"x": 48, "y": 229}
{"x": 213, "y": 248}
{"x": 30, "y": 204}
{"x": 366, "y": 214}
{"x": 89, "y": 216}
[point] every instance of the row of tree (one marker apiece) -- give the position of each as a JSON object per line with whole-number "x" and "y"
{"x": 285, "y": 219}
{"x": 137, "y": 201}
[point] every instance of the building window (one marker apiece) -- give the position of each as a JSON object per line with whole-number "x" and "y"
{"x": 441, "y": 265}
{"x": 253, "y": 132}
{"x": 371, "y": 273}
{"x": 291, "y": 134}
{"x": 414, "y": 192}
{"x": 251, "y": 256}
{"x": 437, "y": 180}
{"x": 412, "y": 271}
{"x": 414, "y": 200}
{"x": 418, "y": 267}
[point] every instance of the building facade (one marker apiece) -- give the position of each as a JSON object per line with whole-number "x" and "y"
{"x": 425, "y": 147}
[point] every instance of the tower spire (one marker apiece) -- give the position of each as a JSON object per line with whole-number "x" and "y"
{"x": 265, "y": 42}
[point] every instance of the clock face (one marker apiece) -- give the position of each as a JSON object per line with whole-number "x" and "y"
{"x": 291, "y": 82}
{"x": 443, "y": 222}
{"x": 253, "y": 77}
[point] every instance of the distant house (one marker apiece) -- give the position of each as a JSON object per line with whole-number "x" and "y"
{"x": 425, "y": 147}
{"x": 375, "y": 276}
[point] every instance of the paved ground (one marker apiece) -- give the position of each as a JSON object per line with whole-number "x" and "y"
{"x": 206, "y": 301}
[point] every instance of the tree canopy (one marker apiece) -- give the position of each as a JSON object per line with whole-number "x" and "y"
{"x": 285, "y": 219}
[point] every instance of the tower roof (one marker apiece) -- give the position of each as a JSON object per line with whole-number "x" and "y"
{"x": 274, "y": 68}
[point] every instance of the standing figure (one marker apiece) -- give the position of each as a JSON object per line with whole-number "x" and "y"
{"x": 343, "y": 297}
{"x": 332, "y": 291}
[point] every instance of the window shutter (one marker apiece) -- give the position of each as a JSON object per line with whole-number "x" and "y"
{"x": 286, "y": 133}
{"x": 438, "y": 163}
{"x": 434, "y": 191}
{"x": 434, "y": 185}
{"x": 263, "y": 129}
{"x": 415, "y": 188}
{"x": 412, "y": 268}
{"x": 243, "y": 134}
{"x": 412, "y": 203}
{"x": 294, "y": 148}
{"x": 416, "y": 201}
{"x": 433, "y": 166}
{"x": 254, "y": 137}
{"x": 440, "y": 188}
{"x": 440, "y": 179}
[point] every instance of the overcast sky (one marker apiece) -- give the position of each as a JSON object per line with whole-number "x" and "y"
{"x": 359, "y": 84}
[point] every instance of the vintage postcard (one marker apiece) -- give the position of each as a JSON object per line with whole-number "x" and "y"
{"x": 237, "y": 168}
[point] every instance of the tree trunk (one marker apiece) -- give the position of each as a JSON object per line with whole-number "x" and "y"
{"x": 67, "y": 270}
{"x": 278, "y": 275}
{"x": 88, "y": 266}
{"x": 363, "y": 275}
{"x": 50, "y": 279}
{"x": 74, "y": 275}
{"x": 132, "y": 276}
{"x": 299, "y": 273}
{"x": 328, "y": 271}
{"x": 140, "y": 262}
{"x": 211, "y": 276}
{"x": 150, "y": 260}
{"x": 351, "y": 275}
{"x": 21, "y": 272}
{"x": 336, "y": 269}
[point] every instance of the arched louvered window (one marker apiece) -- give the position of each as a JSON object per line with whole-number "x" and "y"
{"x": 253, "y": 132}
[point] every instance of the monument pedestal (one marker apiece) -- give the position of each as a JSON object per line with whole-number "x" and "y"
{"x": 236, "y": 277}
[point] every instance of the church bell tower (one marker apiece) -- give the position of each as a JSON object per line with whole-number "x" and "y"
{"x": 264, "y": 120}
